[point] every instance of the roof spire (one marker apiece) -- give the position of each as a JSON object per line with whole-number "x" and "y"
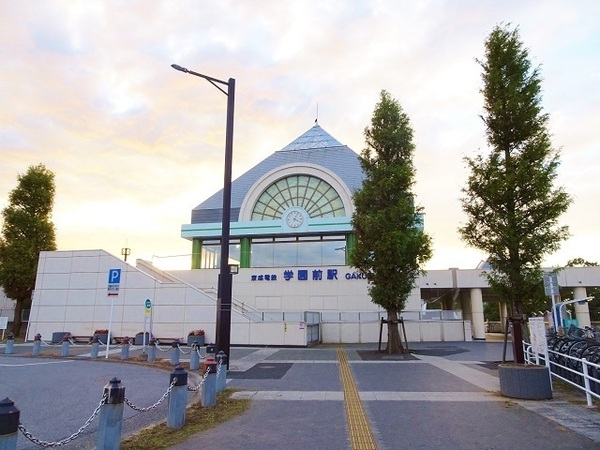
{"x": 314, "y": 138}
{"x": 317, "y": 118}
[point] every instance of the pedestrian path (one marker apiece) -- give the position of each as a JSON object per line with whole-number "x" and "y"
{"x": 580, "y": 419}
{"x": 359, "y": 429}
{"x": 246, "y": 362}
{"x": 445, "y": 395}
{"x": 367, "y": 396}
{"x": 473, "y": 376}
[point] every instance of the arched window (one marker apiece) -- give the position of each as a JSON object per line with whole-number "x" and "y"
{"x": 317, "y": 197}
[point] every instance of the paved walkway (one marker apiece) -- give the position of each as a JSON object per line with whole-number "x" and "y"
{"x": 443, "y": 396}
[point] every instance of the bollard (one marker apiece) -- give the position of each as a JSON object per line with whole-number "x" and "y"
{"x": 10, "y": 344}
{"x": 37, "y": 345}
{"x": 211, "y": 349}
{"x": 221, "y": 371}
{"x": 194, "y": 357}
{"x": 177, "y": 398}
{"x": 125, "y": 348}
{"x": 209, "y": 388}
{"x": 111, "y": 417}
{"x": 175, "y": 352}
{"x": 152, "y": 350}
{"x": 66, "y": 344}
{"x": 95, "y": 347}
{"x": 9, "y": 424}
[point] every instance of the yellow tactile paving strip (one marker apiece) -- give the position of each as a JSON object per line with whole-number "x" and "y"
{"x": 361, "y": 436}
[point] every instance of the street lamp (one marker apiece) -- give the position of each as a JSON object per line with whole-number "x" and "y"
{"x": 557, "y": 309}
{"x": 223, "y": 324}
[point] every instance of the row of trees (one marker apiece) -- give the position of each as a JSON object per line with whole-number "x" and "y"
{"x": 510, "y": 198}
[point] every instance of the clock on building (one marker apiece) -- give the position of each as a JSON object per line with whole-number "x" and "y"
{"x": 294, "y": 218}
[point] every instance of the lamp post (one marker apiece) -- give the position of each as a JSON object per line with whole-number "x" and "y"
{"x": 557, "y": 309}
{"x": 223, "y": 323}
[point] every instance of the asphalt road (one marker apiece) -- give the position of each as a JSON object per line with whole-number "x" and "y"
{"x": 57, "y": 396}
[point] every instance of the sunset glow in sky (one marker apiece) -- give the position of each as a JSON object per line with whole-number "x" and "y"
{"x": 87, "y": 89}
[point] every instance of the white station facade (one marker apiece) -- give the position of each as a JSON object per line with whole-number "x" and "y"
{"x": 292, "y": 237}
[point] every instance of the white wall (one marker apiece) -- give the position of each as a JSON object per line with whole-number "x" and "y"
{"x": 416, "y": 331}
{"x": 7, "y": 306}
{"x": 71, "y": 295}
{"x": 344, "y": 293}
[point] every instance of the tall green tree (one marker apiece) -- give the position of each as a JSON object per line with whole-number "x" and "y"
{"x": 26, "y": 230}
{"x": 391, "y": 247}
{"x": 511, "y": 201}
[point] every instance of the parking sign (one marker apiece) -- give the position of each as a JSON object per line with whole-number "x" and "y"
{"x": 114, "y": 276}
{"x": 114, "y": 279}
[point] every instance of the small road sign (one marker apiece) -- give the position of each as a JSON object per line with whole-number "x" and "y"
{"x": 114, "y": 276}
{"x": 114, "y": 279}
{"x": 551, "y": 284}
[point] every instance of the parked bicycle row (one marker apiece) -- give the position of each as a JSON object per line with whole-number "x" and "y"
{"x": 566, "y": 354}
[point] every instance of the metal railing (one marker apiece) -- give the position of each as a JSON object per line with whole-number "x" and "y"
{"x": 376, "y": 316}
{"x": 573, "y": 361}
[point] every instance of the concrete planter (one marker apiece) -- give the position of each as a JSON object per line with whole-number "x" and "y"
{"x": 525, "y": 381}
{"x": 198, "y": 339}
{"x": 102, "y": 337}
{"x": 57, "y": 336}
{"x": 139, "y": 338}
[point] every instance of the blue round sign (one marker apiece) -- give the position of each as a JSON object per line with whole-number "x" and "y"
{"x": 148, "y": 304}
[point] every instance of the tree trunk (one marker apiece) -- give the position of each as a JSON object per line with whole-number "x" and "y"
{"x": 517, "y": 327}
{"x": 394, "y": 342}
{"x": 16, "y": 325}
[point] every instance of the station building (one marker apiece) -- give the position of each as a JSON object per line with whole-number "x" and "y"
{"x": 292, "y": 237}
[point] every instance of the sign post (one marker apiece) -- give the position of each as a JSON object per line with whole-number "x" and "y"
{"x": 539, "y": 345}
{"x": 552, "y": 291}
{"x": 147, "y": 312}
{"x": 3, "y": 325}
{"x": 114, "y": 280}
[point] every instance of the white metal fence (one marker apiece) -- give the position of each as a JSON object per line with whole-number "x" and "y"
{"x": 573, "y": 370}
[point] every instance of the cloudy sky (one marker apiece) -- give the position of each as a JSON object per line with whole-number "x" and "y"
{"x": 87, "y": 89}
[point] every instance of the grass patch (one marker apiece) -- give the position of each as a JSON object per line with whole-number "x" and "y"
{"x": 197, "y": 419}
{"x": 570, "y": 393}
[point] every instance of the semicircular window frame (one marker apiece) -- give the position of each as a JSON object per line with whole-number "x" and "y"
{"x": 317, "y": 197}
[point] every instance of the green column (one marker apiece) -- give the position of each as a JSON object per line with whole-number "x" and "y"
{"x": 196, "y": 253}
{"x": 244, "y": 253}
{"x": 350, "y": 243}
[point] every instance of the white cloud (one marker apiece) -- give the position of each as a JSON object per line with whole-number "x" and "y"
{"x": 87, "y": 89}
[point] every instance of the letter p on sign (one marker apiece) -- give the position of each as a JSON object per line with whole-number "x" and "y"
{"x": 114, "y": 276}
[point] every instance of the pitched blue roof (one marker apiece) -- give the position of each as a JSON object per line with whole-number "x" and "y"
{"x": 316, "y": 146}
{"x": 314, "y": 138}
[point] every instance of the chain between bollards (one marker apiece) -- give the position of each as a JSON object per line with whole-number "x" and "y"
{"x": 110, "y": 408}
{"x": 65, "y": 441}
